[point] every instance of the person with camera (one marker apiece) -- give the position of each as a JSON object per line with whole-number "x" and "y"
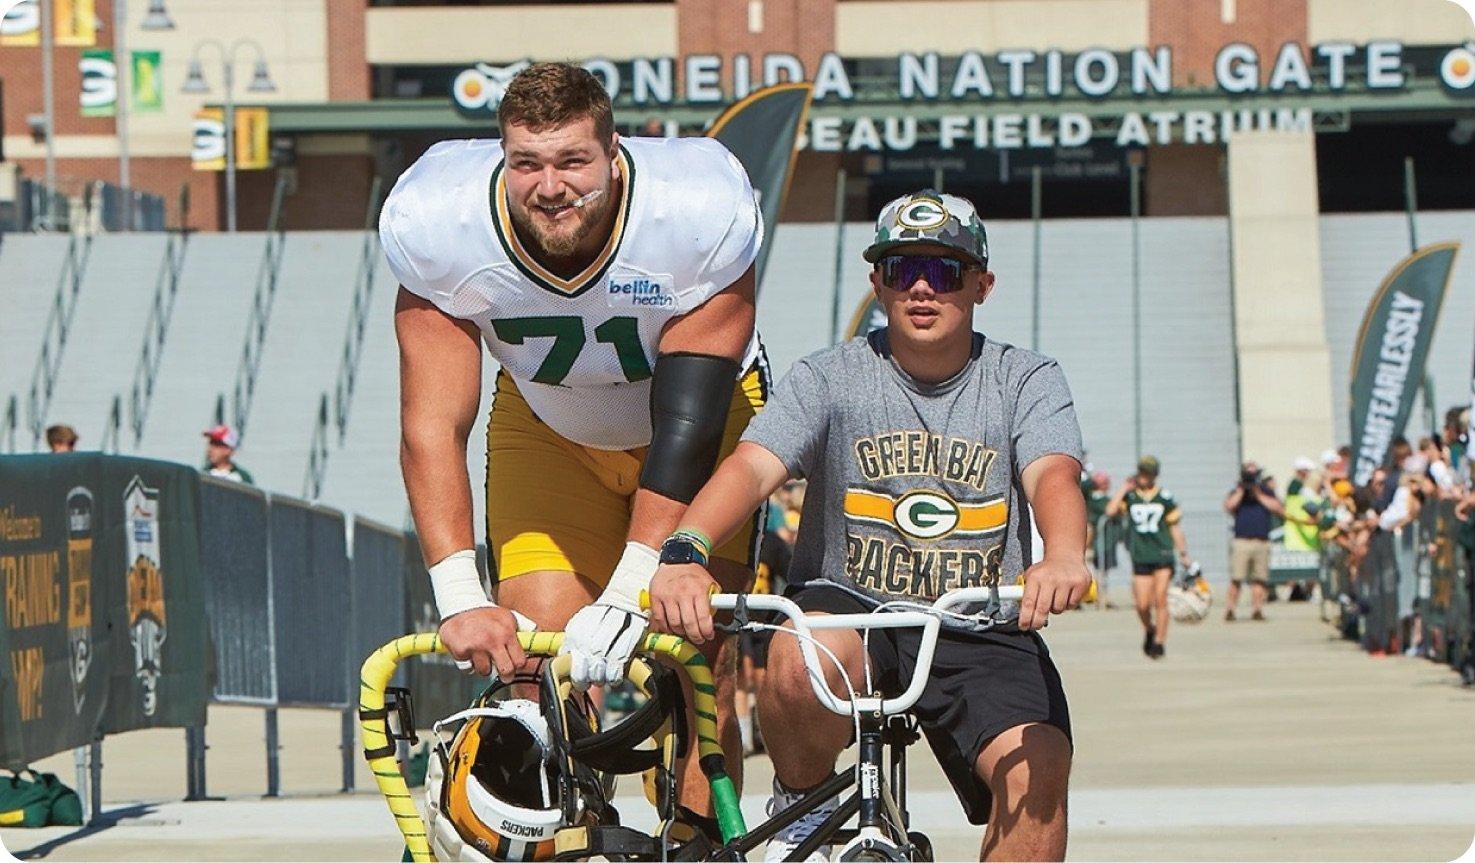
{"x": 1253, "y": 505}
{"x": 1153, "y": 533}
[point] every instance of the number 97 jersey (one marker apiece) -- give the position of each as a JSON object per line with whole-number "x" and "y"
{"x": 580, "y": 349}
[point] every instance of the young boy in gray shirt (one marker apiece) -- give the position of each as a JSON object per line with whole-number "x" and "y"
{"x": 926, "y": 447}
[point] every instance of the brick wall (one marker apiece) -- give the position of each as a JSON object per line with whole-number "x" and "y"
{"x": 804, "y": 28}
{"x": 21, "y": 70}
{"x": 348, "y": 70}
{"x": 1196, "y": 30}
{"x": 330, "y": 193}
{"x": 1182, "y": 180}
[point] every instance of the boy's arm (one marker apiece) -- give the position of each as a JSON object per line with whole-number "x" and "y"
{"x": 1060, "y": 580}
{"x": 679, "y": 592}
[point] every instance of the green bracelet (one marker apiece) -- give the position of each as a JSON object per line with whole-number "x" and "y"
{"x": 695, "y": 536}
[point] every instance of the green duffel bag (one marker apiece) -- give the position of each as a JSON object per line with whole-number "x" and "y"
{"x": 66, "y": 806}
{"x": 23, "y": 803}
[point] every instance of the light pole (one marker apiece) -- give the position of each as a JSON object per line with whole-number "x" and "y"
{"x": 48, "y": 106}
{"x": 156, "y": 19}
{"x": 260, "y": 83}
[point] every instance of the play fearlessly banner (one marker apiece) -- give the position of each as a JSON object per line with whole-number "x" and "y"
{"x": 1392, "y": 347}
{"x": 103, "y": 622}
{"x": 761, "y": 131}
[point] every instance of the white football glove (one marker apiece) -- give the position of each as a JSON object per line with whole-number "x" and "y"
{"x": 602, "y": 637}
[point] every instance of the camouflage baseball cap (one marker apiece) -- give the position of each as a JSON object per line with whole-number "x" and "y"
{"x": 930, "y": 216}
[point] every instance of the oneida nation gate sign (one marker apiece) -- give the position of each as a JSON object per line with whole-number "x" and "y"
{"x": 1019, "y": 79}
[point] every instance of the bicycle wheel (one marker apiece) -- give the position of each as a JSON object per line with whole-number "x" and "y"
{"x": 921, "y": 846}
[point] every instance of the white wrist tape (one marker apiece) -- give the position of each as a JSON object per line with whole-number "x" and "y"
{"x": 632, "y": 574}
{"x": 457, "y": 584}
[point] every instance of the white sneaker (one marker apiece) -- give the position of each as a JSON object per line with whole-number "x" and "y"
{"x": 792, "y": 836}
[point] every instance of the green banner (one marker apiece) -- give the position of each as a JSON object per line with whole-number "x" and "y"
{"x": 99, "y": 85}
{"x": 762, "y": 131}
{"x": 1392, "y": 347}
{"x": 99, "y": 94}
{"x": 148, "y": 84}
{"x": 103, "y": 607}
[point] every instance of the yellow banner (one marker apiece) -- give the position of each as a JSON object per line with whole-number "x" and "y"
{"x": 21, "y": 26}
{"x": 74, "y": 24}
{"x": 253, "y": 140}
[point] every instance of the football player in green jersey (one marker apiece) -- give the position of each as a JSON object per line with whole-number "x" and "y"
{"x": 1153, "y": 533}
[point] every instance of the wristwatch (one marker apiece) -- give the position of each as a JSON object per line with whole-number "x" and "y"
{"x": 681, "y": 550}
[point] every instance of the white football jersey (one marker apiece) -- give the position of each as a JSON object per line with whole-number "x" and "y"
{"x": 580, "y": 349}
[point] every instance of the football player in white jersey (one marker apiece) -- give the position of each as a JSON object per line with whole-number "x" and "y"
{"x": 613, "y": 282}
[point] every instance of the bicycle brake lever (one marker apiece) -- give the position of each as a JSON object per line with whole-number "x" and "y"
{"x": 740, "y": 618}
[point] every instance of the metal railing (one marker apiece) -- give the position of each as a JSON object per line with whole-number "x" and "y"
{"x": 156, "y": 330}
{"x": 148, "y": 209}
{"x": 317, "y": 454}
{"x": 358, "y": 316}
{"x": 260, "y": 318}
{"x": 54, "y": 339}
{"x": 112, "y": 429}
{"x": 353, "y": 348}
{"x": 12, "y": 421}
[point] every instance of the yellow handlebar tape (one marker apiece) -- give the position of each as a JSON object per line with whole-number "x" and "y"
{"x": 645, "y": 596}
{"x": 379, "y": 668}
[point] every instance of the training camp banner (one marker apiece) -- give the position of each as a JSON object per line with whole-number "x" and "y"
{"x": 104, "y": 630}
{"x": 1392, "y": 347}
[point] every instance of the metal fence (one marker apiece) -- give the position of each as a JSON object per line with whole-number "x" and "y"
{"x": 310, "y": 587}
{"x": 293, "y": 614}
{"x": 235, "y": 556}
{"x": 1421, "y": 572}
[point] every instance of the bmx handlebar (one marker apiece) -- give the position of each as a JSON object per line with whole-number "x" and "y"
{"x": 927, "y": 618}
{"x": 379, "y": 748}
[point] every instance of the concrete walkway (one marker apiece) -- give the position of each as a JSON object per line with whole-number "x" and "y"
{"x": 1250, "y": 741}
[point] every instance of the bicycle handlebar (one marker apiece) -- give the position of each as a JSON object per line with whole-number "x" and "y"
{"x": 928, "y": 618}
{"x": 379, "y": 746}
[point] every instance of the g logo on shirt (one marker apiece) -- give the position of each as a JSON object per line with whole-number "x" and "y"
{"x": 926, "y": 515}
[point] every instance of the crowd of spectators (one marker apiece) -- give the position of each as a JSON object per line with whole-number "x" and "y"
{"x": 1320, "y": 507}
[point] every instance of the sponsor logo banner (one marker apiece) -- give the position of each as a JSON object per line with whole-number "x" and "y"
{"x": 147, "y": 619}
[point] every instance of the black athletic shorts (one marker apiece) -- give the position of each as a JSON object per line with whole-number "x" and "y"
{"x": 1148, "y": 568}
{"x": 981, "y": 685}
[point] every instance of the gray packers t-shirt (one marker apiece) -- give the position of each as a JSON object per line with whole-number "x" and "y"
{"x": 914, "y": 489}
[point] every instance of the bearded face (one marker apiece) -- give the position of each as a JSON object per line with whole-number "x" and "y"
{"x": 547, "y": 172}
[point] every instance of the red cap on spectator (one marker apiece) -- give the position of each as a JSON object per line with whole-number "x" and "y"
{"x": 224, "y": 435}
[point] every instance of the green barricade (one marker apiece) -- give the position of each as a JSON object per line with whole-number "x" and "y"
{"x": 104, "y": 628}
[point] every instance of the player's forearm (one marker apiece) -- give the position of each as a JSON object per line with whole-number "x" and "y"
{"x": 653, "y": 517}
{"x": 1060, "y": 511}
{"x": 1180, "y": 540}
{"x": 439, "y": 489}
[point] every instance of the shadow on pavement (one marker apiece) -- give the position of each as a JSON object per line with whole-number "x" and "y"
{"x": 103, "y": 822}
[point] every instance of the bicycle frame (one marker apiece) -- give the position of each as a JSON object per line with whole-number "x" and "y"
{"x": 882, "y": 831}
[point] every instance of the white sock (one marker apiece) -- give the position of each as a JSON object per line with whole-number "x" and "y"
{"x": 745, "y": 728}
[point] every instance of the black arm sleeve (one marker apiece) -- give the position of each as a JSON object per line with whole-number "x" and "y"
{"x": 689, "y": 399}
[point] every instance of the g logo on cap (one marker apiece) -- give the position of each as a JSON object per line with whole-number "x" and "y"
{"x": 922, "y": 214}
